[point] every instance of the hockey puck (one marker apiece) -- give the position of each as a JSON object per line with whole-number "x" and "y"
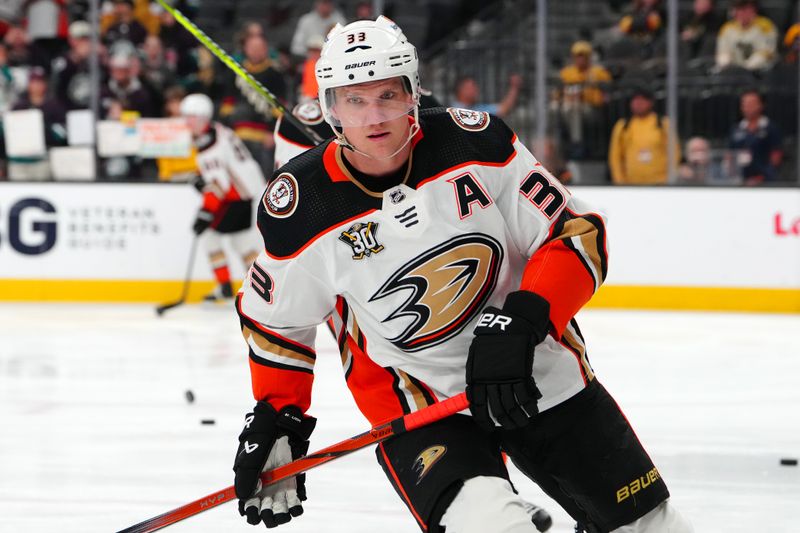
{"x": 788, "y": 461}
{"x": 208, "y": 421}
{"x": 189, "y": 395}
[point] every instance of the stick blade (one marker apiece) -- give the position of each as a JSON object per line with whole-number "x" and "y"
{"x": 161, "y": 309}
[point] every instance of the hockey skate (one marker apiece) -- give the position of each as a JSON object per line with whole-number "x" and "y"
{"x": 221, "y": 293}
{"x": 540, "y": 518}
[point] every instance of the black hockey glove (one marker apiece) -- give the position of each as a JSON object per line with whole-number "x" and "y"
{"x": 500, "y": 380}
{"x": 203, "y": 221}
{"x": 271, "y": 439}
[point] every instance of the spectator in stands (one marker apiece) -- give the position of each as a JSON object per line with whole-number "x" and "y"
{"x": 71, "y": 70}
{"x": 467, "y": 96}
{"x": 126, "y": 88}
{"x": 548, "y": 154}
{"x": 645, "y": 20}
{"x": 249, "y": 29}
{"x": 10, "y": 14}
{"x": 17, "y": 47}
{"x": 317, "y": 22}
{"x": 639, "y": 144}
{"x": 248, "y": 124}
{"x": 208, "y": 81}
{"x": 748, "y": 40}
{"x": 308, "y": 85}
{"x": 700, "y": 167}
{"x": 8, "y": 93}
{"x": 364, "y": 11}
{"x": 699, "y": 30}
{"x": 154, "y": 67}
{"x": 47, "y": 30}
{"x": 791, "y": 43}
{"x": 581, "y": 96}
{"x": 179, "y": 45}
{"x": 756, "y": 142}
{"x": 125, "y": 27}
{"x": 55, "y": 133}
{"x": 176, "y": 168}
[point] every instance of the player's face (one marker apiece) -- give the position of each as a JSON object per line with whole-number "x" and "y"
{"x": 197, "y": 125}
{"x": 374, "y": 116}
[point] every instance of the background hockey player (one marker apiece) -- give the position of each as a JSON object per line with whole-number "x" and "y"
{"x": 400, "y": 231}
{"x": 229, "y": 180}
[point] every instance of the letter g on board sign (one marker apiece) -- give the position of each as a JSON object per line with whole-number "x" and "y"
{"x": 31, "y": 226}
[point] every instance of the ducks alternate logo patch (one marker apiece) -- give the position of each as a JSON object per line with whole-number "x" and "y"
{"x": 308, "y": 113}
{"x": 280, "y": 200}
{"x": 469, "y": 120}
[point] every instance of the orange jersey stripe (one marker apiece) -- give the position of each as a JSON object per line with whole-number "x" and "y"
{"x": 557, "y": 274}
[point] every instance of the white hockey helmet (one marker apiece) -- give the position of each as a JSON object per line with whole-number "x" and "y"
{"x": 197, "y": 105}
{"x": 362, "y": 52}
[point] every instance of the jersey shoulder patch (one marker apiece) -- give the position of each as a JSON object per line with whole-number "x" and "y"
{"x": 302, "y": 203}
{"x": 309, "y": 113}
{"x": 446, "y": 144}
{"x": 280, "y": 198}
{"x": 469, "y": 120}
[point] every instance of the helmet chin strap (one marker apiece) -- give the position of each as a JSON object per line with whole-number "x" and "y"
{"x": 342, "y": 140}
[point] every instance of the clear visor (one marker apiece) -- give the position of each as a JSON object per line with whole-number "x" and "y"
{"x": 354, "y": 108}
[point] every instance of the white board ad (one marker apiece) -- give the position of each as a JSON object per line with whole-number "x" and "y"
{"x": 748, "y": 238}
{"x": 99, "y": 232}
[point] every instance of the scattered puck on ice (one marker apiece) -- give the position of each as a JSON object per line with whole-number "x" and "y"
{"x": 787, "y": 461}
{"x": 208, "y": 422}
{"x": 189, "y": 396}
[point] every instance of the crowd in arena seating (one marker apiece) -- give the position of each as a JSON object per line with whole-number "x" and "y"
{"x": 608, "y": 103}
{"x": 725, "y": 42}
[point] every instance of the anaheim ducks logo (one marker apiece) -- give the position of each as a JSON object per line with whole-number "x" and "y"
{"x": 280, "y": 198}
{"x": 448, "y": 285}
{"x": 425, "y": 461}
{"x": 468, "y": 119}
{"x": 309, "y": 113}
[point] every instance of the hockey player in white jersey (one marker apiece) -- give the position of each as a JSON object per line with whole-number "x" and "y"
{"x": 445, "y": 257}
{"x": 229, "y": 181}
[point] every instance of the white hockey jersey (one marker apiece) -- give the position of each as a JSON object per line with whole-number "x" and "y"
{"x": 291, "y": 141}
{"x": 402, "y": 274}
{"x": 229, "y": 171}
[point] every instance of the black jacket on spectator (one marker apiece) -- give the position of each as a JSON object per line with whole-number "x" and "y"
{"x": 243, "y": 116}
{"x": 705, "y": 28}
{"x": 178, "y": 41}
{"x": 134, "y": 97}
{"x": 133, "y": 32}
{"x": 55, "y": 117}
{"x": 72, "y": 81}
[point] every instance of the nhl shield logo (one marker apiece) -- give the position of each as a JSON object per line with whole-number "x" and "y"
{"x": 397, "y": 196}
{"x": 469, "y": 120}
{"x": 280, "y": 199}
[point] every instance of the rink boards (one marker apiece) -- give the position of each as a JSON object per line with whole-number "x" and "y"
{"x": 670, "y": 248}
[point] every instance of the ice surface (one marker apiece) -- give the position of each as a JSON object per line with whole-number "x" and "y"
{"x": 96, "y": 433}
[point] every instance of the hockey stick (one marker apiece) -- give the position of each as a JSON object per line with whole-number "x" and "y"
{"x": 379, "y": 433}
{"x": 232, "y": 64}
{"x": 187, "y": 281}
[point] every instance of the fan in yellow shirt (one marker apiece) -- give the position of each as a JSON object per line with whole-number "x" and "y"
{"x": 638, "y": 150}
{"x": 581, "y": 95}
